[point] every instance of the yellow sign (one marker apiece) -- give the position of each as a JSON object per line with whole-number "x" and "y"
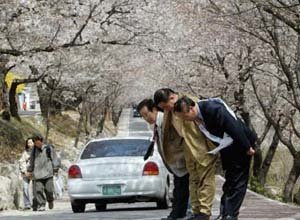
{"x": 9, "y": 79}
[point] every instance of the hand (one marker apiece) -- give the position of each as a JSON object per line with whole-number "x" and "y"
{"x": 29, "y": 175}
{"x": 251, "y": 151}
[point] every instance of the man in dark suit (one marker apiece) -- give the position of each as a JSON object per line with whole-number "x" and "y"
{"x": 235, "y": 142}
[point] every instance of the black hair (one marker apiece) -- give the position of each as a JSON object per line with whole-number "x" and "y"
{"x": 162, "y": 95}
{"x": 146, "y": 102}
{"x": 37, "y": 137}
{"x": 183, "y": 104}
{"x": 26, "y": 143}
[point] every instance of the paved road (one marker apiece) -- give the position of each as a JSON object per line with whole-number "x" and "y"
{"x": 254, "y": 207}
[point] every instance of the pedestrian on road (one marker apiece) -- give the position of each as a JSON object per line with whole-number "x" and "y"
{"x": 233, "y": 139}
{"x": 150, "y": 114}
{"x": 23, "y": 164}
{"x": 43, "y": 165}
{"x": 184, "y": 136}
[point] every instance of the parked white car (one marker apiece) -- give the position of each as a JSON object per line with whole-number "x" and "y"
{"x": 113, "y": 170}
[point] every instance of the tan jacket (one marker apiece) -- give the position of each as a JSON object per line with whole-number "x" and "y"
{"x": 193, "y": 142}
{"x": 179, "y": 166}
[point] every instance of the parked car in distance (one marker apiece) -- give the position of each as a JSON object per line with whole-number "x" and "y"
{"x": 113, "y": 170}
{"x": 136, "y": 113}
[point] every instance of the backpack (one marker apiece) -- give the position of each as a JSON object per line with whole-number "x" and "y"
{"x": 48, "y": 152}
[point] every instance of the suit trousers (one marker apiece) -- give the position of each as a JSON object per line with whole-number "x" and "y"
{"x": 202, "y": 185}
{"x": 180, "y": 196}
{"x": 41, "y": 188}
{"x": 234, "y": 188}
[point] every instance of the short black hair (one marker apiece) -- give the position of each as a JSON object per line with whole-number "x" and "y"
{"x": 183, "y": 104}
{"x": 37, "y": 137}
{"x": 162, "y": 95}
{"x": 146, "y": 102}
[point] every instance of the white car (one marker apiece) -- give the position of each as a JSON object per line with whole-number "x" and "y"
{"x": 113, "y": 170}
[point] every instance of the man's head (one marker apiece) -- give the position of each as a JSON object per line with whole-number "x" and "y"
{"x": 147, "y": 110}
{"x": 38, "y": 140}
{"x": 165, "y": 98}
{"x": 186, "y": 109}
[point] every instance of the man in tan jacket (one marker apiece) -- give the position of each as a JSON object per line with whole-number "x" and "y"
{"x": 185, "y": 135}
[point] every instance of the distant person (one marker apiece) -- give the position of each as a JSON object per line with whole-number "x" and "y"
{"x": 150, "y": 113}
{"x": 24, "y": 106}
{"x": 23, "y": 164}
{"x": 234, "y": 140}
{"x": 43, "y": 165}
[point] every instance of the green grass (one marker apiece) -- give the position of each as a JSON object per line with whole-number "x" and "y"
{"x": 12, "y": 138}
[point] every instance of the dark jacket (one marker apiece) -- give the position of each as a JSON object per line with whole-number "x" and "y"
{"x": 218, "y": 120}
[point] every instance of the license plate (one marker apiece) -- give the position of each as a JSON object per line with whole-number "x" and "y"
{"x": 111, "y": 190}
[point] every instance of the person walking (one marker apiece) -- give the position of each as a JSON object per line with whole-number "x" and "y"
{"x": 234, "y": 140}
{"x": 44, "y": 163}
{"x": 200, "y": 165}
{"x": 152, "y": 115}
{"x": 23, "y": 164}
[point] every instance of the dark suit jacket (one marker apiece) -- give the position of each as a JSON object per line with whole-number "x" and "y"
{"x": 218, "y": 120}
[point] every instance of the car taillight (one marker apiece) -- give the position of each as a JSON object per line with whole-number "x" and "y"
{"x": 150, "y": 169}
{"x": 74, "y": 172}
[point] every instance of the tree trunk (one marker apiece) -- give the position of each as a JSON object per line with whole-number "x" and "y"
{"x": 81, "y": 118}
{"x": 297, "y": 197}
{"x": 101, "y": 124}
{"x": 4, "y": 98}
{"x": 268, "y": 160}
{"x": 44, "y": 104}
{"x": 103, "y": 116}
{"x": 48, "y": 116}
{"x": 86, "y": 124}
{"x": 292, "y": 179}
{"x": 257, "y": 161}
{"x": 13, "y": 102}
{"x": 47, "y": 125}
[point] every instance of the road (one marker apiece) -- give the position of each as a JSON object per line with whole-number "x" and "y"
{"x": 254, "y": 207}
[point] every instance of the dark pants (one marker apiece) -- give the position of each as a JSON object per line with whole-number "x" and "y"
{"x": 181, "y": 196}
{"x": 41, "y": 188}
{"x": 234, "y": 188}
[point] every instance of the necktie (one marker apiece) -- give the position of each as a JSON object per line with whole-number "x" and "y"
{"x": 151, "y": 146}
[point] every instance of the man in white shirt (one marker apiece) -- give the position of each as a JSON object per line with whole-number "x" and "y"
{"x": 150, "y": 113}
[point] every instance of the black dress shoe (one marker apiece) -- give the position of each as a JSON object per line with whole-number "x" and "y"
{"x": 172, "y": 218}
{"x": 220, "y": 217}
{"x": 200, "y": 216}
{"x": 228, "y": 217}
{"x": 168, "y": 218}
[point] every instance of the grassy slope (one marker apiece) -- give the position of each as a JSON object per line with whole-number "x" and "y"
{"x": 62, "y": 133}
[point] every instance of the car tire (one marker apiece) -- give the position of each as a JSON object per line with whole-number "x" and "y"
{"x": 100, "y": 207}
{"x": 78, "y": 207}
{"x": 164, "y": 203}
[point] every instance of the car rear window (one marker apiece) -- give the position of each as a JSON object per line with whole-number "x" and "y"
{"x": 116, "y": 148}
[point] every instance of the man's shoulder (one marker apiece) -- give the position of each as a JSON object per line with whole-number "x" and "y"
{"x": 210, "y": 106}
{"x": 48, "y": 146}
